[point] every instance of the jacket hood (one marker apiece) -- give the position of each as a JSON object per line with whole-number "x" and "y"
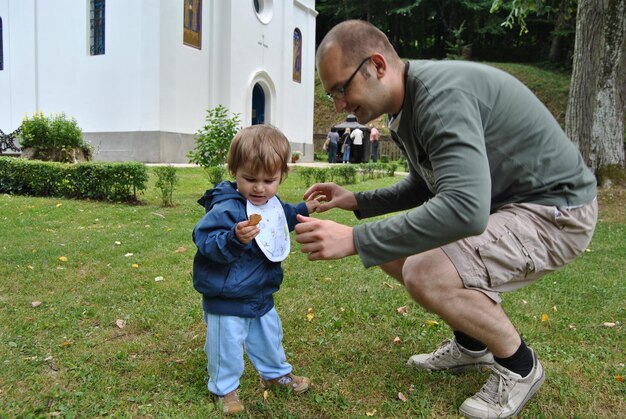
{"x": 222, "y": 191}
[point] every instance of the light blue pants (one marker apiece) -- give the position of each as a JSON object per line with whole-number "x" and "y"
{"x": 225, "y": 340}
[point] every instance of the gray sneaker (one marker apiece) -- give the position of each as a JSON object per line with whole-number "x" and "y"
{"x": 505, "y": 394}
{"x": 451, "y": 356}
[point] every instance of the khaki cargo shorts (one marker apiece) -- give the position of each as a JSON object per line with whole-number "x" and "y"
{"x": 522, "y": 242}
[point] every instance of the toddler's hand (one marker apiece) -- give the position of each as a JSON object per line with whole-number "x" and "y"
{"x": 246, "y": 232}
{"x": 311, "y": 205}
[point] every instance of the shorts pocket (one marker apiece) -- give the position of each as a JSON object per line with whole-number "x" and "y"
{"x": 509, "y": 257}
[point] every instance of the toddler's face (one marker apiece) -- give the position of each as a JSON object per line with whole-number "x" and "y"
{"x": 257, "y": 188}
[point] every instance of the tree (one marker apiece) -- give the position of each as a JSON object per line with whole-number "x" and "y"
{"x": 597, "y": 98}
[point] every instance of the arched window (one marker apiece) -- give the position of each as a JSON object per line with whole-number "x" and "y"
{"x": 297, "y": 55}
{"x": 1, "y": 47}
{"x": 96, "y": 27}
{"x": 192, "y": 23}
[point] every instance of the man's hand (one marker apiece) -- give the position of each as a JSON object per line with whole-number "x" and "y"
{"x": 324, "y": 239}
{"x": 330, "y": 196}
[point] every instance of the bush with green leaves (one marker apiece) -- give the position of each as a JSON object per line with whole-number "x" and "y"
{"x": 213, "y": 140}
{"x": 166, "y": 181}
{"x": 54, "y": 132}
{"x": 103, "y": 181}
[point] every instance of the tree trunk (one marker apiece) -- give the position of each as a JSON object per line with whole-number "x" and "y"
{"x": 596, "y": 108}
{"x": 560, "y": 23}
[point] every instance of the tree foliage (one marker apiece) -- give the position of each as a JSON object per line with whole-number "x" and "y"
{"x": 429, "y": 28}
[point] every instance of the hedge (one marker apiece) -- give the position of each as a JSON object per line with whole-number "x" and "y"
{"x": 102, "y": 181}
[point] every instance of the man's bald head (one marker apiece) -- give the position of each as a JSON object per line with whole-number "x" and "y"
{"x": 356, "y": 39}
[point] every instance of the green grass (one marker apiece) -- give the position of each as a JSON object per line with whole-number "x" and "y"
{"x": 68, "y": 357}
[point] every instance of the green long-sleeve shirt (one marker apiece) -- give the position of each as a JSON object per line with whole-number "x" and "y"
{"x": 475, "y": 139}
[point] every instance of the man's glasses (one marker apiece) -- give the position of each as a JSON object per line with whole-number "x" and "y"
{"x": 340, "y": 93}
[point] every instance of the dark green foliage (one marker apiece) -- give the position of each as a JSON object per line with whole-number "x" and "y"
{"x": 92, "y": 180}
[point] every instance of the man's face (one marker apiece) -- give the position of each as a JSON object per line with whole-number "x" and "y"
{"x": 349, "y": 88}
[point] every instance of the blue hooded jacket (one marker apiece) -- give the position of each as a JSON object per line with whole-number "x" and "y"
{"x": 235, "y": 279}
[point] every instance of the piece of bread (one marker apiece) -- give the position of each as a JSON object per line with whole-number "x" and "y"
{"x": 255, "y": 219}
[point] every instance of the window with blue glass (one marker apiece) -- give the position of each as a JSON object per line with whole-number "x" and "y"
{"x": 297, "y": 55}
{"x": 1, "y": 47}
{"x": 96, "y": 27}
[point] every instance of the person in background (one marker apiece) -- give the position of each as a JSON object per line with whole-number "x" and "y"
{"x": 238, "y": 275}
{"x": 345, "y": 146}
{"x": 374, "y": 141}
{"x": 357, "y": 145}
{"x": 496, "y": 197}
{"x": 332, "y": 144}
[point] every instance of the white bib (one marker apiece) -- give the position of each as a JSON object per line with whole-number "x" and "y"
{"x": 274, "y": 238}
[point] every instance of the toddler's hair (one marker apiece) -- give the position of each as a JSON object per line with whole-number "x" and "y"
{"x": 259, "y": 148}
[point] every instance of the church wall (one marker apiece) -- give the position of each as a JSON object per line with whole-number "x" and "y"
{"x": 18, "y": 79}
{"x": 148, "y": 94}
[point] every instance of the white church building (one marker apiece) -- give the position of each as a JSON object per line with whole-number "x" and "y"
{"x": 140, "y": 75}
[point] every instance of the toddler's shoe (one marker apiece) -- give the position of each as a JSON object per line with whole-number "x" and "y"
{"x": 289, "y": 381}
{"x": 230, "y": 403}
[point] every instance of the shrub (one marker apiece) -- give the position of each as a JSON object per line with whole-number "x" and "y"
{"x": 216, "y": 174}
{"x": 213, "y": 140}
{"x": 56, "y": 132}
{"x": 166, "y": 180}
{"x": 92, "y": 180}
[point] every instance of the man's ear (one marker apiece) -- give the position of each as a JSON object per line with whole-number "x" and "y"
{"x": 380, "y": 64}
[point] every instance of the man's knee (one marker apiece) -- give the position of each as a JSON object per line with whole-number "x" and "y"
{"x": 430, "y": 275}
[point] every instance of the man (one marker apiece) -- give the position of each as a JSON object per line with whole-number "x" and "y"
{"x": 496, "y": 196}
{"x": 333, "y": 142}
{"x": 357, "y": 144}
{"x": 374, "y": 142}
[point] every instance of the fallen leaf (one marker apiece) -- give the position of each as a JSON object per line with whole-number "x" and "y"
{"x": 404, "y": 310}
{"x": 608, "y": 324}
{"x": 134, "y": 265}
{"x": 388, "y": 285}
{"x": 397, "y": 340}
{"x": 48, "y": 358}
{"x": 524, "y": 302}
{"x": 66, "y": 343}
{"x": 266, "y": 395}
{"x": 544, "y": 318}
{"x": 181, "y": 249}
{"x": 158, "y": 279}
{"x": 553, "y": 308}
{"x": 63, "y": 259}
{"x": 128, "y": 255}
{"x": 371, "y": 413}
{"x": 401, "y": 396}
{"x": 117, "y": 243}
{"x": 572, "y": 326}
{"x": 31, "y": 267}
{"x": 58, "y": 205}
{"x": 432, "y": 322}
{"x": 33, "y": 250}
{"x": 120, "y": 323}
{"x": 619, "y": 378}
{"x": 36, "y": 303}
{"x": 309, "y": 314}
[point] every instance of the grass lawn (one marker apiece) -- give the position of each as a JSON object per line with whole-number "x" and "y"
{"x": 98, "y": 317}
